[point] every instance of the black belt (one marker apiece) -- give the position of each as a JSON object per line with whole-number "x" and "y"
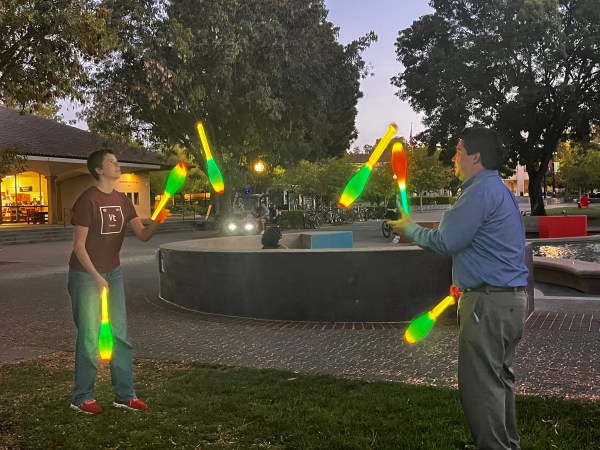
{"x": 487, "y": 289}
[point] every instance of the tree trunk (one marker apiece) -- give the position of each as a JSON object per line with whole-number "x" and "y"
{"x": 535, "y": 193}
{"x": 536, "y": 177}
{"x": 222, "y": 203}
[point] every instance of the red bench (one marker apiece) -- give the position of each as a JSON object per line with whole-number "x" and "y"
{"x": 562, "y": 226}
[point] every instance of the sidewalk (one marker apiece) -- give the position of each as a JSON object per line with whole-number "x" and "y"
{"x": 556, "y": 357}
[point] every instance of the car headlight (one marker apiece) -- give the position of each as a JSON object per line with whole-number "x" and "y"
{"x": 249, "y": 227}
{"x": 232, "y": 227}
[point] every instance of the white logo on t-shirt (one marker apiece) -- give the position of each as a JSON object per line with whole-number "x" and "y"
{"x": 112, "y": 219}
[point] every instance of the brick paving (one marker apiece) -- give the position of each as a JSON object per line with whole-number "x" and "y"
{"x": 557, "y": 357}
{"x": 557, "y": 362}
{"x": 547, "y": 320}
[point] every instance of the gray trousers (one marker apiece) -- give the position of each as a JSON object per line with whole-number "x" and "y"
{"x": 491, "y": 325}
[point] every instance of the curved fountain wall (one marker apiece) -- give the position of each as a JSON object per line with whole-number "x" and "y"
{"x": 233, "y": 276}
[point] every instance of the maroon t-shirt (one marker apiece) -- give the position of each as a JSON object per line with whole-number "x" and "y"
{"x": 106, "y": 216}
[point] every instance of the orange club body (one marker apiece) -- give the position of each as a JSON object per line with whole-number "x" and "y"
{"x": 400, "y": 169}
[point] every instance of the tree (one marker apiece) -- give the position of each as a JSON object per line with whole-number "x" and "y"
{"x": 531, "y": 69}
{"x": 302, "y": 178}
{"x": 195, "y": 182}
{"x": 46, "y": 47}
{"x": 333, "y": 178}
{"x": 267, "y": 77}
{"x": 12, "y": 162}
{"x": 579, "y": 166}
{"x": 324, "y": 180}
{"x": 381, "y": 184}
{"x": 426, "y": 172}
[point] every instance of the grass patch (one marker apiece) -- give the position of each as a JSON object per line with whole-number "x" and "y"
{"x": 195, "y": 406}
{"x": 592, "y": 213}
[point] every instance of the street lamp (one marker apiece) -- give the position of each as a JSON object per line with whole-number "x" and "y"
{"x": 260, "y": 169}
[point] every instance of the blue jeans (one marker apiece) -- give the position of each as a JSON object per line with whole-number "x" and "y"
{"x": 86, "y": 306}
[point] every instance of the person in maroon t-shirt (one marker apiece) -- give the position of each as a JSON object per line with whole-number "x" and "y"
{"x": 100, "y": 217}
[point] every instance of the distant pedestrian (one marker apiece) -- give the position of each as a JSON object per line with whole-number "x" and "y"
{"x": 262, "y": 214}
{"x": 271, "y": 237}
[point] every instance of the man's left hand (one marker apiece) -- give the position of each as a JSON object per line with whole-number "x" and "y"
{"x": 400, "y": 225}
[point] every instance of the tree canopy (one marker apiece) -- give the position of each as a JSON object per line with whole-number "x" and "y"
{"x": 268, "y": 78}
{"x": 45, "y": 47}
{"x": 324, "y": 180}
{"x": 427, "y": 172}
{"x": 579, "y": 166}
{"x": 531, "y": 69}
{"x": 381, "y": 185}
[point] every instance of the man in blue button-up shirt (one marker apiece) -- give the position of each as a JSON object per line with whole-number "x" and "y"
{"x": 484, "y": 233}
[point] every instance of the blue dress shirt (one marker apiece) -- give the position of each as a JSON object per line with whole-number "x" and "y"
{"x": 484, "y": 233}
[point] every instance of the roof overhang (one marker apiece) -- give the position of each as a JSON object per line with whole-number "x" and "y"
{"x": 143, "y": 166}
{"x": 65, "y": 168}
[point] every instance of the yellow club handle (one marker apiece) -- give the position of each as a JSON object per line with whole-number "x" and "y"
{"x": 161, "y": 205}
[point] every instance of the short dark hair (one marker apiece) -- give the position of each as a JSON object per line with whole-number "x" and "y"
{"x": 270, "y": 238}
{"x": 95, "y": 160}
{"x": 487, "y": 143}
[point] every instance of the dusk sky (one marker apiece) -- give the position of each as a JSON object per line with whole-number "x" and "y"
{"x": 379, "y": 105}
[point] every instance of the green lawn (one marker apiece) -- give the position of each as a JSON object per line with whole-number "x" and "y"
{"x": 210, "y": 407}
{"x": 593, "y": 213}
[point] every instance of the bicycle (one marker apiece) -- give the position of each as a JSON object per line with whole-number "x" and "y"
{"x": 386, "y": 229}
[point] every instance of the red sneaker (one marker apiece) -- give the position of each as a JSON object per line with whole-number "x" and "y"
{"x": 88, "y": 407}
{"x": 135, "y": 404}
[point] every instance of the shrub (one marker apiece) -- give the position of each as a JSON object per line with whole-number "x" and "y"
{"x": 291, "y": 219}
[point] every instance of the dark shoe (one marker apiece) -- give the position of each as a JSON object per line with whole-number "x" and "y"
{"x": 135, "y": 404}
{"x": 88, "y": 407}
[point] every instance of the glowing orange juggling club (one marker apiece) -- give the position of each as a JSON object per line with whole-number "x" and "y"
{"x": 359, "y": 180}
{"x": 175, "y": 181}
{"x": 105, "y": 337}
{"x": 422, "y": 325}
{"x": 214, "y": 173}
{"x": 400, "y": 168}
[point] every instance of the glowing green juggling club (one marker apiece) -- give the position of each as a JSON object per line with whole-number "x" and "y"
{"x": 422, "y": 325}
{"x": 400, "y": 168}
{"x": 214, "y": 173}
{"x": 175, "y": 181}
{"x": 358, "y": 181}
{"x": 105, "y": 337}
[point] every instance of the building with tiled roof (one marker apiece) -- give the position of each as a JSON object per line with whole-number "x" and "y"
{"x": 56, "y": 167}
